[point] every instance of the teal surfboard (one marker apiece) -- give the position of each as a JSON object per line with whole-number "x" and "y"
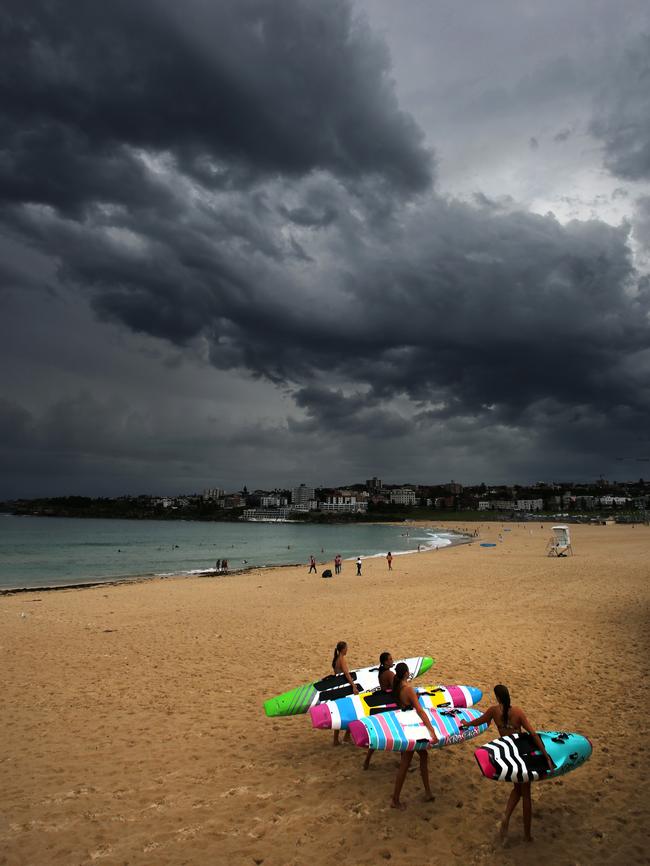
{"x": 516, "y": 757}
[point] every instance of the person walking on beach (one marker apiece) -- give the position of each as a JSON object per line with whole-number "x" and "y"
{"x": 389, "y": 560}
{"x": 337, "y": 564}
{"x": 405, "y": 697}
{"x": 312, "y": 565}
{"x": 340, "y": 666}
{"x": 385, "y": 675}
{"x": 359, "y": 564}
{"x": 511, "y": 720}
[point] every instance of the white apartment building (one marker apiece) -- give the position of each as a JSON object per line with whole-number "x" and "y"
{"x": 273, "y": 501}
{"x": 497, "y": 505}
{"x": 528, "y": 505}
{"x": 343, "y": 503}
{"x": 213, "y": 493}
{"x": 403, "y": 496}
{"x": 614, "y": 500}
{"x": 266, "y": 514}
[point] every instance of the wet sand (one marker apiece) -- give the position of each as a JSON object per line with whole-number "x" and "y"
{"x": 132, "y": 727}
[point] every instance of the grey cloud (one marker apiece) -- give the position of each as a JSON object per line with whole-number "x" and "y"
{"x": 445, "y": 303}
{"x": 642, "y": 221}
{"x": 227, "y": 91}
{"x": 359, "y": 413}
{"x": 105, "y": 446}
{"x": 232, "y": 188}
{"x": 622, "y": 121}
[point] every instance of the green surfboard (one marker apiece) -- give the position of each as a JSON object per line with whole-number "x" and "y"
{"x": 331, "y": 688}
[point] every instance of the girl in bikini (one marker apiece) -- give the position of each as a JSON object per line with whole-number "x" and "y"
{"x": 340, "y": 666}
{"x": 406, "y": 698}
{"x": 386, "y": 675}
{"x": 511, "y": 720}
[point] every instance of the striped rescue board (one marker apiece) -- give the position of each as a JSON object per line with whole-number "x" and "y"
{"x": 335, "y": 686}
{"x": 516, "y": 758}
{"x": 337, "y": 715}
{"x": 404, "y": 731}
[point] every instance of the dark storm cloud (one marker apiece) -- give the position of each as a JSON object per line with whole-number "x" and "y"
{"x": 231, "y": 90}
{"x": 237, "y": 180}
{"x": 623, "y": 118}
{"x": 358, "y": 413}
{"x": 642, "y": 221}
{"x": 468, "y": 317}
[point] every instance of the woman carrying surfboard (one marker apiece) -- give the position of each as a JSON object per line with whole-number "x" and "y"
{"x": 406, "y": 698}
{"x": 511, "y": 720}
{"x": 386, "y": 676}
{"x": 340, "y": 666}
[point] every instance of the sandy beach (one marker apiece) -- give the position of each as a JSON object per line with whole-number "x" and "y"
{"x": 133, "y": 732}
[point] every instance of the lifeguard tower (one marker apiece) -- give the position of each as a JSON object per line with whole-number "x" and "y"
{"x": 559, "y": 544}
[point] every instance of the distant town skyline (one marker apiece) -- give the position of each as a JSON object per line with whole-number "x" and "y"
{"x": 322, "y": 240}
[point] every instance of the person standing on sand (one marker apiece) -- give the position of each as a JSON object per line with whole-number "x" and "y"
{"x": 389, "y": 560}
{"x": 340, "y": 666}
{"x": 406, "y": 699}
{"x": 312, "y": 565}
{"x": 386, "y": 675}
{"x": 511, "y": 720}
{"x": 337, "y": 564}
{"x": 359, "y": 563}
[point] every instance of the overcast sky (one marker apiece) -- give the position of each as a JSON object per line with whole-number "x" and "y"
{"x": 270, "y": 241}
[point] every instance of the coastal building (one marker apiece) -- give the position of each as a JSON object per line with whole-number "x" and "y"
{"x": 266, "y": 515}
{"x": 511, "y": 505}
{"x": 213, "y": 493}
{"x": 614, "y": 500}
{"x": 528, "y": 505}
{"x": 233, "y": 500}
{"x": 374, "y": 485}
{"x": 444, "y": 502}
{"x": 348, "y": 504}
{"x": 303, "y": 495}
{"x": 497, "y": 505}
{"x": 273, "y": 501}
{"x": 403, "y": 496}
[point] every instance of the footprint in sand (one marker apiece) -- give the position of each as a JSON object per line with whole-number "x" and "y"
{"x": 103, "y": 851}
{"x": 231, "y": 792}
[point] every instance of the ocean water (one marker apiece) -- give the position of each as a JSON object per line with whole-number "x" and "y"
{"x": 54, "y": 551}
